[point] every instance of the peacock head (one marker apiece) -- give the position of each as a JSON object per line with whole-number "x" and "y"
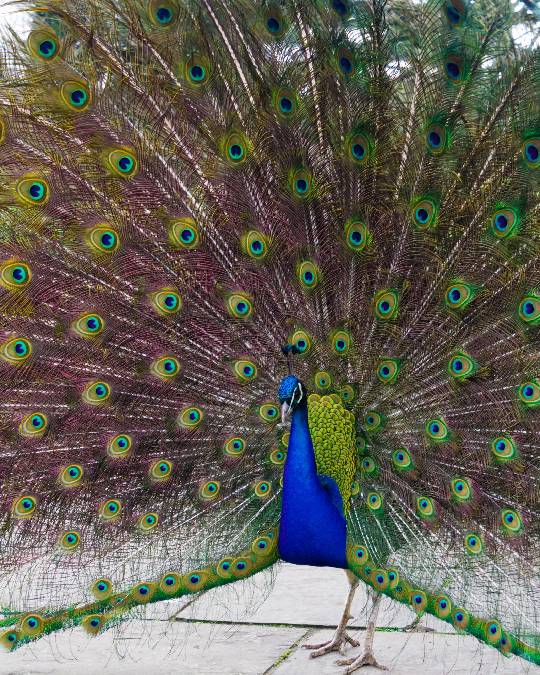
{"x": 291, "y": 394}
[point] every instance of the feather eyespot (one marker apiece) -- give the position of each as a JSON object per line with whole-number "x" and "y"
{"x": 43, "y": 44}
{"x": 166, "y": 301}
{"x": 33, "y": 191}
{"x": 15, "y": 275}
{"x": 15, "y": 351}
{"x": 70, "y": 541}
{"x": 190, "y": 418}
{"x": 184, "y": 234}
{"x": 75, "y": 95}
{"x": 34, "y": 425}
{"x": 24, "y": 507}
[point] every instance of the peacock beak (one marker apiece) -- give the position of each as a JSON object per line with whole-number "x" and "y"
{"x": 285, "y": 410}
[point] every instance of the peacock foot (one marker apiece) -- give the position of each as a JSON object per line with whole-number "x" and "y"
{"x": 336, "y": 644}
{"x": 366, "y": 659}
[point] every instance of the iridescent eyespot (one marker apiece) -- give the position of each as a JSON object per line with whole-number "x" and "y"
{"x": 393, "y": 577}
{"x": 239, "y": 305}
{"x": 368, "y": 466}
{"x": 493, "y": 632}
{"x": 529, "y": 393}
{"x": 374, "y": 501}
{"x": 345, "y": 62}
{"x": 386, "y": 303}
{"x": 373, "y": 421}
{"x": 505, "y": 222}
{"x": 160, "y": 470}
{"x": 437, "y": 139}
{"x": 15, "y": 351}
{"x": 96, "y": 393}
{"x": 166, "y": 302}
{"x": 194, "y": 581}
{"x": 88, "y": 325}
{"x": 424, "y": 213}
{"x": 234, "y": 447}
{"x": 224, "y": 568}
{"x": 302, "y": 341}
{"x": 511, "y": 521}
{"x": 274, "y": 23}
{"x": 147, "y": 522}
{"x": 357, "y": 235}
{"x": 277, "y": 457}
{"x": 359, "y": 148}
{"x": 103, "y": 239}
{"x": 43, "y": 44}
{"x": 269, "y": 412}
{"x": 506, "y": 644}
{"x": 190, "y": 418}
{"x": 322, "y": 380}
{"x": 529, "y": 309}
{"x": 474, "y": 543}
{"x": 437, "y": 430}
{"x": 454, "y": 68}
{"x": 504, "y": 448}
{"x": 425, "y": 507}
{"x": 347, "y": 393}
{"x": 70, "y": 541}
{"x": 262, "y": 489}
{"x": 308, "y": 274}
{"x": 461, "y": 490}
{"x": 254, "y": 244}
{"x": 401, "y": 459}
{"x": 102, "y": 588}
{"x": 142, "y": 593}
{"x": 32, "y": 624}
{"x": 110, "y": 509}
{"x": 418, "y": 600}
{"x": 170, "y": 583}
{"x": 341, "y": 341}
{"x": 263, "y": 545}
{"x": 379, "y": 580}
{"x": 71, "y": 476}
{"x": 33, "y": 191}
{"x": 388, "y": 370}
{"x": 15, "y": 275}
{"x": 301, "y": 182}
{"x": 209, "y": 491}
{"x": 442, "y": 606}
{"x": 162, "y": 13}
{"x": 530, "y": 152}
{"x": 24, "y": 507}
{"x": 241, "y": 567}
{"x": 460, "y": 618}
{"x": 236, "y": 149}
{"x": 285, "y": 438}
{"x": 197, "y": 70}
{"x": 245, "y": 370}
{"x": 75, "y": 95}
{"x": 119, "y": 446}
{"x": 455, "y": 12}
{"x": 34, "y": 425}
{"x": 184, "y": 233}
{"x": 9, "y": 639}
{"x": 123, "y": 162}
{"x": 93, "y": 623}
{"x": 462, "y": 366}
{"x": 165, "y": 368}
{"x": 285, "y": 102}
{"x": 360, "y": 554}
{"x": 459, "y": 294}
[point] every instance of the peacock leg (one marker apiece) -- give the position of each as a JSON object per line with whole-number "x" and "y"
{"x": 366, "y": 658}
{"x": 340, "y": 638}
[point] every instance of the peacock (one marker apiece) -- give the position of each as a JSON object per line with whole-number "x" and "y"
{"x": 270, "y": 290}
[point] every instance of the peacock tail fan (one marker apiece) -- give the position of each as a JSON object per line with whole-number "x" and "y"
{"x": 187, "y": 186}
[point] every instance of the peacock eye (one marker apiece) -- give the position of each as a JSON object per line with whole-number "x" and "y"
{"x": 302, "y": 341}
{"x": 103, "y": 239}
{"x": 69, "y": 541}
{"x": 268, "y": 412}
{"x": 505, "y": 223}
{"x": 190, "y": 418}
{"x": 96, "y": 393}
{"x": 454, "y": 69}
{"x": 301, "y": 182}
{"x": 462, "y": 366}
{"x": 262, "y": 489}
{"x": 15, "y": 275}
{"x": 75, "y": 95}
{"x": 43, "y": 44}
{"x": 15, "y": 351}
{"x": 209, "y": 491}
{"x": 424, "y": 213}
{"x": 345, "y": 62}
{"x": 374, "y": 501}
{"x": 184, "y": 233}
{"x": 165, "y": 367}
{"x": 166, "y": 302}
{"x": 71, "y": 475}
{"x": 110, "y": 509}
{"x": 33, "y": 191}
{"x": 373, "y": 421}
{"x": 425, "y": 507}
{"x": 357, "y": 236}
{"x": 455, "y": 12}
{"x": 123, "y": 163}
{"x": 170, "y": 583}
{"x": 341, "y": 341}
{"x": 529, "y": 309}
{"x": 437, "y": 139}
{"x": 239, "y": 305}
{"x": 474, "y": 543}
{"x": 162, "y": 13}
{"x": 274, "y": 23}
{"x": 255, "y": 245}
{"x": 119, "y": 446}
{"x": 388, "y": 370}
{"x": 24, "y": 507}
{"x": 245, "y": 370}
{"x": 234, "y": 447}
{"x": 359, "y": 148}
{"x": 530, "y": 151}
{"x": 460, "y": 489}
{"x": 88, "y": 325}
{"x": 437, "y": 430}
{"x": 322, "y": 380}
{"x": 386, "y": 304}
{"x": 511, "y": 521}
{"x": 33, "y": 425}
{"x": 147, "y": 522}
{"x": 459, "y": 295}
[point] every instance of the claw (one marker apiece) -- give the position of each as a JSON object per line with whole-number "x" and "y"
{"x": 366, "y": 659}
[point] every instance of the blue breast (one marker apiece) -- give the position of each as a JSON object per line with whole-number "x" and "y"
{"x": 312, "y": 527}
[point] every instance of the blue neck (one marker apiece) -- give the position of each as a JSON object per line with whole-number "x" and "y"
{"x": 312, "y": 527}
